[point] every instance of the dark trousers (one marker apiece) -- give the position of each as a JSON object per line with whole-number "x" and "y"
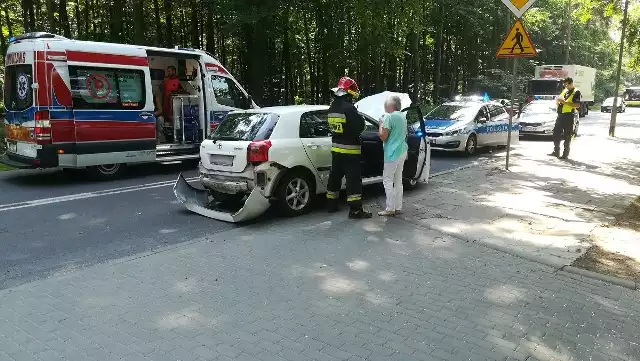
{"x": 346, "y": 165}
{"x": 563, "y": 131}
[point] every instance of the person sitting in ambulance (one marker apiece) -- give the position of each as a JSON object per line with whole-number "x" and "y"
{"x": 158, "y": 113}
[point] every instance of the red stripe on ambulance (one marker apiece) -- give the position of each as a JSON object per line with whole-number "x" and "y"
{"x": 95, "y": 130}
{"x": 113, "y": 59}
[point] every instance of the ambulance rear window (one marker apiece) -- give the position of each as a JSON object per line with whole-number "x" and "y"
{"x": 18, "y": 94}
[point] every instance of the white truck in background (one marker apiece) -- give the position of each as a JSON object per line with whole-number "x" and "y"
{"x": 547, "y": 82}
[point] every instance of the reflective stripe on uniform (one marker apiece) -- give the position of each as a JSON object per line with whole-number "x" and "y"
{"x": 332, "y": 195}
{"x": 336, "y": 122}
{"x": 354, "y": 197}
{"x": 337, "y": 118}
{"x": 346, "y": 146}
{"x": 345, "y": 151}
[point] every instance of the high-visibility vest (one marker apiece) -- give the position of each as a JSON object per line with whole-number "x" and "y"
{"x": 565, "y": 107}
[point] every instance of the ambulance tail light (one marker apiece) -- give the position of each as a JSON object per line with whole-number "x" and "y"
{"x": 42, "y": 129}
{"x": 258, "y": 152}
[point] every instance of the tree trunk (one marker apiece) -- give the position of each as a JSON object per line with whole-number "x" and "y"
{"x": 79, "y": 27}
{"x": 116, "y": 21}
{"x": 210, "y": 29}
{"x": 168, "y": 41}
{"x": 64, "y": 18}
{"x": 313, "y": 96}
{"x": 416, "y": 66}
{"x": 27, "y": 14}
{"x": 9, "y": 25}
{"x": 438, "y": 68}
{"x": 195, "y": 15}
{"x": 51, "y": 20}
{"x": 139, "y": 22}
{"x": 3, "y": 41}
{"x": 156, "y": 13}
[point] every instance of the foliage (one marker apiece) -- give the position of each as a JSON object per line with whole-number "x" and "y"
{"x": 292, "y": 51}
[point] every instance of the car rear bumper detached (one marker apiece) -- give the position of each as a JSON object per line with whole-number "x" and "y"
{"x": 197, "y": 201}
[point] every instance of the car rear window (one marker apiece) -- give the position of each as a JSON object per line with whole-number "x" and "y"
{"x": 18, "y": 94}
{"x": 246, "y": 126}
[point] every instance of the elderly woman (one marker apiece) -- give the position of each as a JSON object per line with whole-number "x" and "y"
{"x": 393, "y": 133}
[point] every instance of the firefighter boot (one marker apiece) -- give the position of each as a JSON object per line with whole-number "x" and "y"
{"x": 332, "y": 205}
{"x": 360, "y": 214}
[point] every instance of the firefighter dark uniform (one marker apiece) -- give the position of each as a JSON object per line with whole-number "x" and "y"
{"x": 346, "y": 125}
{"x": 564, "y": 127}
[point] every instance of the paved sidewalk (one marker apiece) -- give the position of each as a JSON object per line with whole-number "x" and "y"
{"x": 318, "y": 288}
{"x": 543, "y": 207}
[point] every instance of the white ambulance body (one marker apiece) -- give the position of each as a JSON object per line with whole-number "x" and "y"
{"x": 80, "y": 104}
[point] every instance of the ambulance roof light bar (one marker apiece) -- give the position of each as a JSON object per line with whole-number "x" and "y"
{"x": 35, "y": 35}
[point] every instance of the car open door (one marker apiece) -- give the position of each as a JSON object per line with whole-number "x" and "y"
{"x": 417, "y": 165}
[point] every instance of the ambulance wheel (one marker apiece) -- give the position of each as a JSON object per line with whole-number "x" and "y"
{"x": 472, "y": 145}
{"x": 107, "y": 171}
{"x": 295, "y": 193}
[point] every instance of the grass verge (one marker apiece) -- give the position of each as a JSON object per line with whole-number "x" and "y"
{"x": 4, "y": 167}
{"x": 599, "y": 260}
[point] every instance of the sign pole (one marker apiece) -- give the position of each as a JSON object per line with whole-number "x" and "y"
{"x": 514, "y": 83}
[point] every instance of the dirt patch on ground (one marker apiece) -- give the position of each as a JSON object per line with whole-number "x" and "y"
{"x": 599, "y": 260}
{"x": 630, "y": 218}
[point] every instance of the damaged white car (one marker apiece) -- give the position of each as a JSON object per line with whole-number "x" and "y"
{"x": 282, "y": 156}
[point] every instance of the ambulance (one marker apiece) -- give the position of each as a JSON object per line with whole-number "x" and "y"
{"x": 102, "y": 106}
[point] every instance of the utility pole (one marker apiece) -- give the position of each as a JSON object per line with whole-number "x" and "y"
{"x": 614, "y": 110}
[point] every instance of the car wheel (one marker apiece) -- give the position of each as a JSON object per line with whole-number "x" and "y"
{"x": 472, "y": 145}
{"x": 107, "y": 171}
{"x": 295, "y": 193}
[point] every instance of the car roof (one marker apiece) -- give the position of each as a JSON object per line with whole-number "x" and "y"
{"x": 285, "y": 109}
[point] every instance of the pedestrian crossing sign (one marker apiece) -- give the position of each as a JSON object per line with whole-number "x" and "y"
{"x": 517, "y": 44}
{"x": 518, "y": 7}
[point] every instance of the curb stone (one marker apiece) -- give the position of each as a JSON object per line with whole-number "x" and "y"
{"x": 558, "y": 265}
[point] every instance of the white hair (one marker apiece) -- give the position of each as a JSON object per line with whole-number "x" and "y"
{"x": 395, "y": 101}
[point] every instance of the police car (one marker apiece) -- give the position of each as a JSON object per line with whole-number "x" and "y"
{"x": 465, "y": 126}
{"x": 539, "y": 117}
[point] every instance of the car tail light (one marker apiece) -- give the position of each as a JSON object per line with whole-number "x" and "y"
{"x": 258, "y": 152}
{"x": 42, "y": 130}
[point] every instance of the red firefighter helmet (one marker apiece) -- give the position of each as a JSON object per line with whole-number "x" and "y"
{"x": 345, "y": 86}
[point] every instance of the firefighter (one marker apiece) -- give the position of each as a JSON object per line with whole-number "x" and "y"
{"x": 346, "y": 126}
{"x": 568, "y": 102}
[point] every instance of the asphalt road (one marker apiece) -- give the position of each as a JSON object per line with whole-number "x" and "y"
{"x": 53, "y": 221}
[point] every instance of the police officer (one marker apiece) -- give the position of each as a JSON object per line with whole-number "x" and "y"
{"x": 568, "y": 102}
{"x": 346, "y": 126}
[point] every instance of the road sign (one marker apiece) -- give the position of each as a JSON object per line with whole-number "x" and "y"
{"x": 518, "y": 7}
{"x": 517, "y": 44}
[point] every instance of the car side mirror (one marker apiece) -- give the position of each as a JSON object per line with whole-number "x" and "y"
{"x": 482, "y": 120}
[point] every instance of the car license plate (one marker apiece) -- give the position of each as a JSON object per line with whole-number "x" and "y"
{"x": 219, "y": 159}
{"x": 12, "y": 147}
{"x": 528, "y": 129}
